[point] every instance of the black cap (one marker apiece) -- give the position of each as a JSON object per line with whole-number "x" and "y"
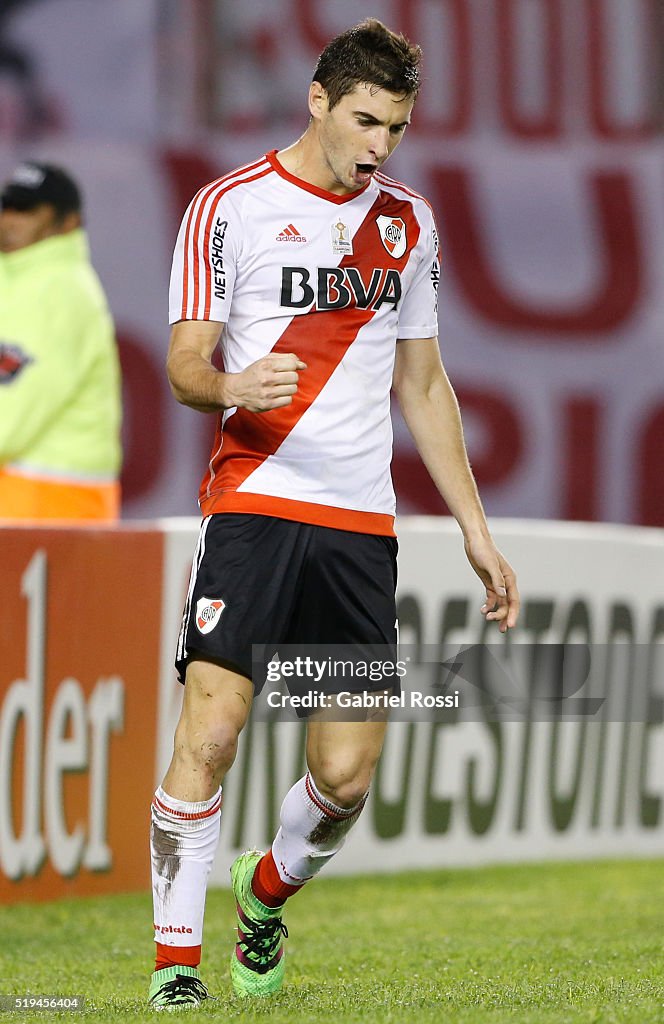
{"x": 33, "y": 183}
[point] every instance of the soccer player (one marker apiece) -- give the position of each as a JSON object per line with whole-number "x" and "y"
{"x": 318, "y": 275}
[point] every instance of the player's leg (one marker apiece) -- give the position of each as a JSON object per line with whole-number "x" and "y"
{"x": 346, "y": 597}
{"x": 186, "y": 813}
{"x": 315, "y": 818}
{"x": 243, "y": 577}
{"x": 320, "y": 809}
{"x": 215, "y": 708}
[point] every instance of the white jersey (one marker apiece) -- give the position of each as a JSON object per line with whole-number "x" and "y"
{"x": 288, "y": 267}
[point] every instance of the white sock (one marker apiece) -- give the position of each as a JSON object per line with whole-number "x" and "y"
{"x": 183, "y": 841}
{"x": 312, "y": 830}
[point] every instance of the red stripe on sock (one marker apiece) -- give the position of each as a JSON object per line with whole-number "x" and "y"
{"x": 177, "y": 956}
{"x": 267, "y": 885}
{"x": 329, "y": 810}
{"x": 183, "y": 814}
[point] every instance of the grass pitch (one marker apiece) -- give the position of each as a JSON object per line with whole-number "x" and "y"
{"x": 544, "y": 944}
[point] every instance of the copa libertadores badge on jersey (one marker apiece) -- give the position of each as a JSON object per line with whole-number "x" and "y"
{"x": 208, "y": 613}
{"x": 392, "y": 234}
{"x": 342, "y": 242}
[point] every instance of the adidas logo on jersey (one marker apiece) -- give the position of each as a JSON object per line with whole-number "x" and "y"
{"x": 290, "y": 234}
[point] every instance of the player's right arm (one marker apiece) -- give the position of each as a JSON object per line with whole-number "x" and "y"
{"x": 269, "y": 383}
{"x": 200, "y": 300}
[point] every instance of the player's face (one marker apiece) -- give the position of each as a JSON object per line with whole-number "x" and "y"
{"x": 359, "y": 133}
{"x": 19, "y": 228}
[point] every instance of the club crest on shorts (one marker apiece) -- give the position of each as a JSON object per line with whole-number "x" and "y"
{"x": 393, "y": 235}
{"x": 208, "y": 613}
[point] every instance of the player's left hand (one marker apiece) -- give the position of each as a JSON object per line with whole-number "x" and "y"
{"x": 502, "y": 595}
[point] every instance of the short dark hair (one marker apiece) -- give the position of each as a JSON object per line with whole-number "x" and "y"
{"x": 369, "y": 52}
{"x": 33, "y": 184}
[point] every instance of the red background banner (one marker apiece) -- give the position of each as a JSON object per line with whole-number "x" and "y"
{"x": 79, "y": 635}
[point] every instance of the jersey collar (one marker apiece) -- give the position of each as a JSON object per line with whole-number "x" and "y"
{"x": 322, "y": 193}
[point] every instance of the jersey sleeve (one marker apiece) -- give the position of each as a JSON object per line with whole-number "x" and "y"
{"x": 204, "y": 261}
{"x": 418, "y": 315}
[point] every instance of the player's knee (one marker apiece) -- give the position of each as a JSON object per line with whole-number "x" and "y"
{"x": 344, "y": 786}
{"x": 209, "y": 750}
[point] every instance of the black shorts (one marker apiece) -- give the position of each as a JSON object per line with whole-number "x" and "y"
{"x": 258, "y": 580}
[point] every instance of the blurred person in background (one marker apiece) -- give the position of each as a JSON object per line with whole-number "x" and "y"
{"x": 60, "y": 400}
{"x": 20, "y": 68}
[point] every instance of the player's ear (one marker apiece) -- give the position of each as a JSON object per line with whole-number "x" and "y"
{"x": 317, "y": 100}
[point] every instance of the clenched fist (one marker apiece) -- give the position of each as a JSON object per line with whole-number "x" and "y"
{"x": 269, "y": 383}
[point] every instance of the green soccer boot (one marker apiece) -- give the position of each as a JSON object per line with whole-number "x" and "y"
{"x": 257, "y": 962}
{"x": 176, "y": 988}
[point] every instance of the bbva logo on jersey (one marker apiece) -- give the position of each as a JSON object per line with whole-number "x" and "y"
{"x": 208, "y": 613}
{"x": 393, "y": 235}
{"x": 339, "y": 288}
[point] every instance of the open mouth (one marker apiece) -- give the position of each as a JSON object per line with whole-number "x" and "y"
{"x": 364, "y": 173}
